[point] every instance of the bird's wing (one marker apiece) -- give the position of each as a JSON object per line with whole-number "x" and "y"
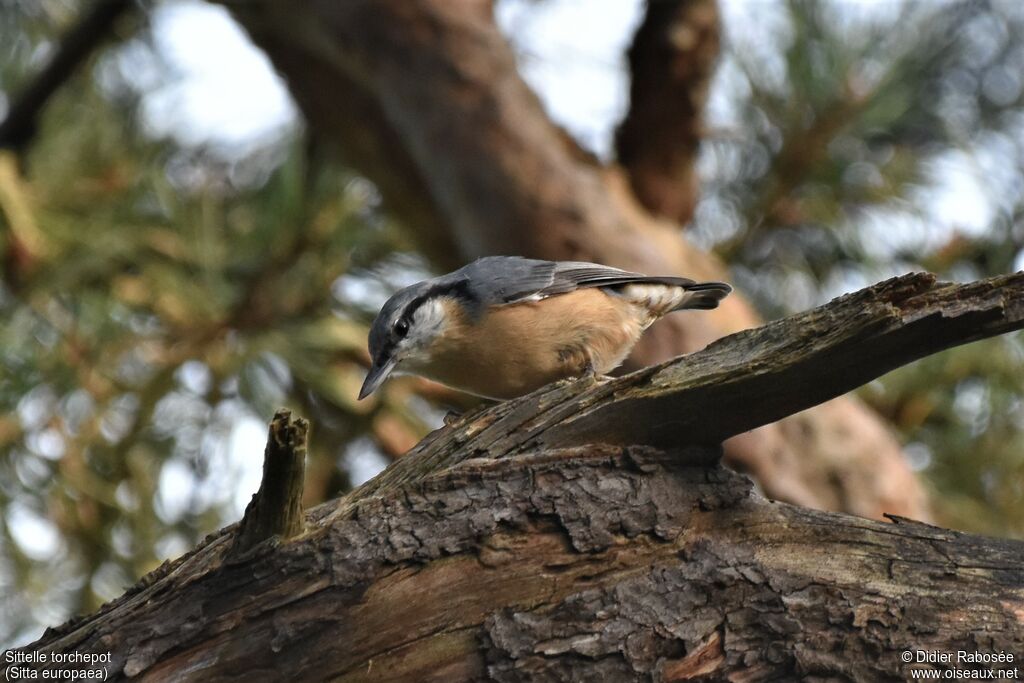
{"x": 509, "y": 279}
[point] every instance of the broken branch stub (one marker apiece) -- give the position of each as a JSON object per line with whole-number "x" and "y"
{"x": 276, "y": 508}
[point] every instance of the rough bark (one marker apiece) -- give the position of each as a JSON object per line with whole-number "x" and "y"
{"x": 425, "y": 99}
{"x": 522, "y": 543}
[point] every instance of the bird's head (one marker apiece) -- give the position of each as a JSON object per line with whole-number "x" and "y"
{"x": 404, "y": 330}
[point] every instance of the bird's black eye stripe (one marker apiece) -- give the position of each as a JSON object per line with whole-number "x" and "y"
{"x": 459, "y": 289}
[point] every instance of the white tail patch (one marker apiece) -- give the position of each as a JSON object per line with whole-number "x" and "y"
{"x": 658, "y": 299}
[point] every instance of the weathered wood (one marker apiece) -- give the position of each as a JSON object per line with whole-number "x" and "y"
{"x": 276, "y": 508}
{"x": 489, "y": 552}
{"x": 762, "y": 375}
{"x": 613, "y": 563}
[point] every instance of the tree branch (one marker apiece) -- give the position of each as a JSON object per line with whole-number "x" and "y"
{"x": 18, "y": 128}
{"x": 493, "y": 551}
{"x": 672, "y": 60}
{"x": 276, "y": 509}
{"x": 800, "y": 361}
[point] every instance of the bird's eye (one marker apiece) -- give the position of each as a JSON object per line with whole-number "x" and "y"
{"x": 402, "y": 327}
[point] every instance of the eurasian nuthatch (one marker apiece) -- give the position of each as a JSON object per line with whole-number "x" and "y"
{"x": 504, "y": 325}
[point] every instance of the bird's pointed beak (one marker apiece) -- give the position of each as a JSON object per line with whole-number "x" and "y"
{"x": 376, "y": 376}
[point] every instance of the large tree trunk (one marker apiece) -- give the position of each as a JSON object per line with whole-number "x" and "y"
{"x": 425, "y": 99}
{"x": 587, "y": 532}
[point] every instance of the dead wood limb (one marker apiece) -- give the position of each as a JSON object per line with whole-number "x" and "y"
{"x": 490, "y": 552}
{"x": 789, "y": 365}
{"x": 617, "y": 564}
{"x": 276, "y": 509}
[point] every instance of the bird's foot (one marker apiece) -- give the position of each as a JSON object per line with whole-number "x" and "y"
{"x": 595, "y": 378}
{"x": 590, "y": 377}
{"x": 591, "y": 373}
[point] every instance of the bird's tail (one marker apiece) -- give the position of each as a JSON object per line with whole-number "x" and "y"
{"x": 702, "y": 295}
{"x": 662, "y": 295}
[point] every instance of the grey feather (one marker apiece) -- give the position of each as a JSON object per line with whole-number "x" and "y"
{"x": 507, "y": 279}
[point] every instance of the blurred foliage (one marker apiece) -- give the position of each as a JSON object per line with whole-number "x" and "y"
{"x": 157, "y": 301}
